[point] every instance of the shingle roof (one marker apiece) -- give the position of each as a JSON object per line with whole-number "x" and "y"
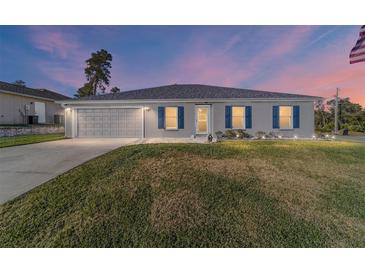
{"x": 192, "y": 91}
{"x": 42, "y": 93}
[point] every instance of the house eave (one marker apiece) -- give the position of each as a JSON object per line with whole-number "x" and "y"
{"x": 66, "y": 103}
{"x": 26, "y": 95}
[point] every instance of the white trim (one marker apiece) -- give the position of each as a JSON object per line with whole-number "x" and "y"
{"x": 65, "y": 121}
{"x": 66, "y": 103}
{"x": 212, "y": 119}
{"x": 93, "y": 107}
{"x": 143, "y": 126}
{"x": 74, "y": 123}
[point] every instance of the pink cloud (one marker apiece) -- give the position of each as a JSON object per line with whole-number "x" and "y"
{"x": 57, "y": 43}
{"x": 208, "y": 68}
{"x": 321, "y": 73}
{"x": 69, "y": 74}
{"x": 67, "y": 64}
{"x": 283, "y": 45}
{"x": 201, "y": 64}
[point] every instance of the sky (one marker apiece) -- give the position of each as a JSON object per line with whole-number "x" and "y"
{"x": 311, "y": 60}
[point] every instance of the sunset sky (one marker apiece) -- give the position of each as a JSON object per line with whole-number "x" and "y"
{"x": 299, "y": 59}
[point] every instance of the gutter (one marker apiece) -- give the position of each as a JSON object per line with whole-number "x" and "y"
{"x": 66, "y": 103}
{"x": 26, "y": 95}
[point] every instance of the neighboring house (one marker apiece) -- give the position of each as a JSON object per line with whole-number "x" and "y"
{"x": 23, "y": 105}
{"x": 188, "y": 110}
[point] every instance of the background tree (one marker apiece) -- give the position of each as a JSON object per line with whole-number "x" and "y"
{"x": 350, "y": 115}
{"x": 97, "y": 73}
{"x": 19, "y": 83}
{"x": 115, "y": 90}
{"x": 86, "y": 90}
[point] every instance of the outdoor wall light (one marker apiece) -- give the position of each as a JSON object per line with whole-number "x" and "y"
{"x": 146, "y": 108}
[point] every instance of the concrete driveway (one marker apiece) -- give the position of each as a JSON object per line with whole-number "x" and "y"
{"x": 25, "y": 167}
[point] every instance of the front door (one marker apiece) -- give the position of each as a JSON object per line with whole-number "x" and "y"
{"x": 202, "y": 117}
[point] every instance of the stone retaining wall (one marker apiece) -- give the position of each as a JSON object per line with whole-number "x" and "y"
{"x": 15, "y": 131}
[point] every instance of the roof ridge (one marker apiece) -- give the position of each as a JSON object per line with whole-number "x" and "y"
{"x": 194, "y": 91}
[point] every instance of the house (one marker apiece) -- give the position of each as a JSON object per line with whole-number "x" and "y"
{"x": 188, "y": 110}
{"x": 23, "y": 105}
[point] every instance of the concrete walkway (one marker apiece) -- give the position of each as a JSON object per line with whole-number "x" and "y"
{"x": 25, "y": 167}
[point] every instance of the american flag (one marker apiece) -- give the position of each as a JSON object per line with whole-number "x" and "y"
{"x": 358, "y": 51}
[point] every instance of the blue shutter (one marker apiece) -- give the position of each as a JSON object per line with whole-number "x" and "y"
{"x": 275, "y": 117}
{"x": 161, "y": 117}
{"x": 296, "y": 116}
{"x": 228, "y": 116}
{"x": 180, "y": 115}
{"x": 248, "y": 116}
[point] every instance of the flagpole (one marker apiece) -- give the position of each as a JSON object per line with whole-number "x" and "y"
{"x": 336, "y": 112}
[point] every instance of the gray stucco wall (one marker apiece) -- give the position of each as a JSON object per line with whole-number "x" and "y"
{"x": 261, "y": 119}
{"x": 11, "y": 105}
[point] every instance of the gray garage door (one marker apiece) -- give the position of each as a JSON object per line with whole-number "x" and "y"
{"x": 118, "y": 122}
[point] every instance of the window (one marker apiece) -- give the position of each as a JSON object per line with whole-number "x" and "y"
{"x": 202, "y": 120}
{"x": 238, "y": 117}
{"x": 286, "y": 117}
{"x": 171, "y": 117}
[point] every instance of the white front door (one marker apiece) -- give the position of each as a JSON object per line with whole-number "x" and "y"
{"x": 202, "y": 119}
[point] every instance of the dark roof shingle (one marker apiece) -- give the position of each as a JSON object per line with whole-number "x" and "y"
{"x": 192, "y": 91}
{"x": 42, "y": 93}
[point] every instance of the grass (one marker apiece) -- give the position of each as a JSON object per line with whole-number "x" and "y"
{"x": 29, "y": 139}
{"x": 229, "y": 194}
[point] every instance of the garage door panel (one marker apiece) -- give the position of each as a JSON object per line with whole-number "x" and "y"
{"x": 122, "y": 122}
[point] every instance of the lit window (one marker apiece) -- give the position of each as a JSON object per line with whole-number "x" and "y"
{"x": 286, "y": 114}
{"x": 171, "y": 117}
{"x": 238, "y": 117}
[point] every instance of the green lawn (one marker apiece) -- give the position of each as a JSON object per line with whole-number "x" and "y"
{"x": 29, "y": 139}
{"x": 230, "y": 194}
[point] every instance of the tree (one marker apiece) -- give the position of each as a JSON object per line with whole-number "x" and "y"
{"x": 86, "y": 90}
{"x": 19, "y": 83}
{"x": 97, "y": 73}
{"x": 350, "y": 115}
{"x": 115, "y": 90}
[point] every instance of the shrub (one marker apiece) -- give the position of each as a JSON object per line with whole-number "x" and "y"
{"x": 356, "y": 128}
{"x": 260, "y": 134}
{"x": 230, "y": 134}
{"x": 271, "y": 135}
{"x": 327, "y": 128}
{"x": 219, "y": 134}
{"x": 242, "y": 134}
